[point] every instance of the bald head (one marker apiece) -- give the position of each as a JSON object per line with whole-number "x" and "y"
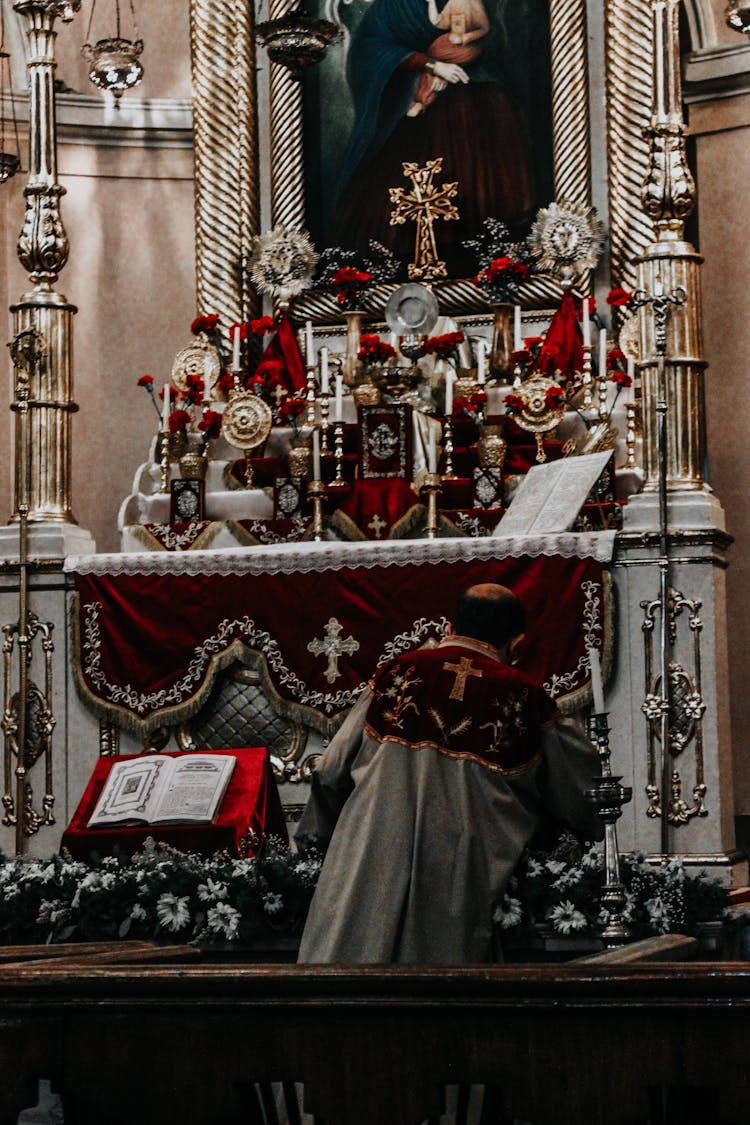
{"x": 491, "y": 613}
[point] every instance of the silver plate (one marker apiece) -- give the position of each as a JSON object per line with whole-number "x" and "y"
{"x": 412, "y": 310}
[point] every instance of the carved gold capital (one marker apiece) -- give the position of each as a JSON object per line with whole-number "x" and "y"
{"x": 668, "y": 193}
{"x": 43, "y": 245}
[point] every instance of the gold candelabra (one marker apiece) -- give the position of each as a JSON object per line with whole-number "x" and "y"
{"x": 586, "y": 380}
{"x": 310, "y": 394}
{"x": 316, "y": 490}
{"x": 608, "y": 796}
{"x": 325, "y": 410}
{"x": 601, "y": 384}
{"x": 630, "y": 434}
{"x": 431, "y": 488}
{"x": 448, "y": 445}
{"x": 338, "y": 454}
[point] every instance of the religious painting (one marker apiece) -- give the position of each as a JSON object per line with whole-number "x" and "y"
{"x": 412, "y": 80}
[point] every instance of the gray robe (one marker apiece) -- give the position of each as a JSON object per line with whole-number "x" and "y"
{"x": 421, "y": 845}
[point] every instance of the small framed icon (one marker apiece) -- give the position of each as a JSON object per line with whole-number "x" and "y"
{"x": 187, "y": 501}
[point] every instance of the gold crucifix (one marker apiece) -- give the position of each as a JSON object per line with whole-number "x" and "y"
{"x": 423, "y": 205}
{"x": 463, "y": 670}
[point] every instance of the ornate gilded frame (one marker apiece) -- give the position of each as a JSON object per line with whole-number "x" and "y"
{"x": 227, "y": 191}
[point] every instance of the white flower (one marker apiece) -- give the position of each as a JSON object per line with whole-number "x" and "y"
{"x": 224, "y": 919}
{"x": 533, "y": 868}
{"x": 569, "y": 878}
{"x": 272, "y": 903}
{"x": 172, "y": 911}
{"x": 11, "y": 891}
{"x": 508, "y": 913}
{"x": 565, "y": 918}
{"x": 211, "y": 891}
{"x": 243, "y": 868}
{"x": 308, "y": 868}
{"x": 658, "y": 914}
{"x": 107, "y": 879}
{"x": 555, "y": 866}
{"x": 138, "y": 914}
{"x": 49, "y": 911}
{"x": 592, "y": 858}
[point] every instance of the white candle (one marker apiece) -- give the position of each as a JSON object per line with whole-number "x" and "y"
{"x": 517, "y": 338}
{"x": 236, "y": 347}
{"x": 597, "y": 688}
{"x": 392, "y": 341}
{"x": 481, "y": 362}
{"x": 309, "y": 357}
{"x": 324, "y": 379}
{"x": 165, "y": 408}
{"x": 586, "y": 322}
{"x": 432, "y": 449}
{"x": 207, "y": 378}
{"x": 339, "y": 403}
{"x": 449, "y": 393}
{"x": 630, "y": 391}
{"x": 316, "y": 453}
{"x": 602, "y": 353}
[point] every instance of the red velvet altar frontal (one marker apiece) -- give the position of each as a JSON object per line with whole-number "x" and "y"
{"x": 149, "y": 646}
{"x": 251, "y": 811}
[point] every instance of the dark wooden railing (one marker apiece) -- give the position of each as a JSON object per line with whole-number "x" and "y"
{"x": 190, "y": 1043}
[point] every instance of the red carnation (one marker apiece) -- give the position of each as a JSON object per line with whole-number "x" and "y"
{"x": 348, "y": 275}
{"x": 146, "y": 381}
{"x": 205, "y": 323}
{"x": 479, "y": 398}
{"x": 262, "y": 325}
{"x": 174, "y": 394}
{"x": 178, "y": 420}
{"x": 442, "y": 346}
{"x": 291, "y": 407}
{"x": 461, "y": 405}
{"x": 268, "y": 368}
{"x": 618, "y": 298}
{"x": 521, "y": 357}
{"x": 616, "y": 359}
{"x": 226, "y": 382}
{"x": 533, "y": 341}
{"x": 241, "y": 328}
{"x": 210, "y": 424}
{"x": 621, "y": 378}
{"x": 554, "y": 398}
{"x": 514, "y": 402}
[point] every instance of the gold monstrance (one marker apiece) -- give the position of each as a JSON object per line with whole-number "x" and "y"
{"x": 423, "y": 205}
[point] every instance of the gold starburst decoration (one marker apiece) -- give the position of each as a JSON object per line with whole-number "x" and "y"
{"x": 567, "y": 239}
{"x": 282, "y": 262}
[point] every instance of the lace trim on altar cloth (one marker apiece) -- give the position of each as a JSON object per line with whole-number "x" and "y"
{"x": 291, "y": 558}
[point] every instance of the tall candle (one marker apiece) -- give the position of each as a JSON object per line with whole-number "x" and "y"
{"x": 597, "y": 688}
{"x": 324, "y": 379}
{"x": 517, "y": 339}
{"x": 586, "y": 322}
{"x": 165, "y": 408}
{"x": 449, "y": 393}
{"x": 309, "y": 357}
{"x": 481, "y": 362}
{"x": 602, "y": 353}
{"x": 392, "y": 341}
{"x": 630, "y": 391}
{"x": 207, "y": 378}
{"x": 339, "y": 404}
{"x": 316, "y": 453}
{"x": 235, "y": 347}
{"x": 432, "y": 449}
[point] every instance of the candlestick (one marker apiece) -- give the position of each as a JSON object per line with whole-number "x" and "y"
{"x": 309, "y": 357}
{"x": 339, "y": 401}
{"x": 207, "y": 379}
{"x": 448, "y": 446}
{"x": 602, "y": 353}
{"x": 324, "y": 378}
{"x": 517, "y": 338}
{"x": 338, "y": 454}
{"x": 586, "y": 378}
{"x": 316, "y": 454}
{"x": 586, "y": 322}
{"x": 164, "y": 440}
{"x": 630, "y": 435}
{"x": 165, "y": 408}
{"x": 481, "y": 362}
{"x": 324, "y": 403}
{"x": 608, "y": 796}
{"x": 630, "y": 391}
{"x": 430, "y": 488}
{"x": 316, "y": 490}
{"x": 310, "y": 394}
{"x": 597, "y": 687}
{"x": 236, "y": 347}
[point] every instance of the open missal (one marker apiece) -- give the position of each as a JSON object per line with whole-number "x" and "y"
{"x": 157, "y": 789}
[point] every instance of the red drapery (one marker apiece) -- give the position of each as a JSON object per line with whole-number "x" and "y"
{"x": 149, "y": 646}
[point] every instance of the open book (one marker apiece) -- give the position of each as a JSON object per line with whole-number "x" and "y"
{"x": 550, "y": 496}
{"x": 157, "y": 789}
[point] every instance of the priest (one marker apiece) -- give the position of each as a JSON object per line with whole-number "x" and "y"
{"x": 442, "y": 773}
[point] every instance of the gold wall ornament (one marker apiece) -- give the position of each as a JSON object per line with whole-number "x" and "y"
{"x": 424, "y": 205}
{"x": 225, "y": 133}
{"x": 538, "y": 416}
{"x": 199, "y": 358}
{"x": 566, "y": 239}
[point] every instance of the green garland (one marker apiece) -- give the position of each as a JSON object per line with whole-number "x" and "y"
{"x": 164, "y": 895}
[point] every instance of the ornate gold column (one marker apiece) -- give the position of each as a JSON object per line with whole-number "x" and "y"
{"x": 671, "y": 265}
{"x": 43, "y": 251}
{"x": 225, "y": 133}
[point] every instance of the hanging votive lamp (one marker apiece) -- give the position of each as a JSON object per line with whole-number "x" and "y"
{"x": 114, "y": 62}
{"x": 297, "y": 40}
{"x": 10, "y": 149}
{"x": 737, "y": 15}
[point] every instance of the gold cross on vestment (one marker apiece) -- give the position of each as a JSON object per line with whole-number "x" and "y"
{"x": 332, "y": 647}
{"x": 463, "y": 670}
{"x": 423, "y": 205}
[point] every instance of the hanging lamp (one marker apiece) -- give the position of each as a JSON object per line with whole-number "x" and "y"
{"x": 114, "y": 62}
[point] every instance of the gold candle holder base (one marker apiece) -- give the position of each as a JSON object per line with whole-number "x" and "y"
{"x": 448, "y": 446}
{"x": 316, "y": 490}
{"x": 325, "y": 402}
{"x": 587, "y": 400}
{"x": 338, "y": 453}
{"x": 631, "y": 433}
{"x": 310, "y": 395}
{"x": 431, "y": 487}
{"x": 171, "y": 447}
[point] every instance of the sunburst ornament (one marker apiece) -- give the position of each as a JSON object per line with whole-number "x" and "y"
{"x": 282, "y": 263}
{"x": 567, "y": 239}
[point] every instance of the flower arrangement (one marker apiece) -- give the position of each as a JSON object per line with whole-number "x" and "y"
{"x": 282, "y": 262}
{"x": 210, "y": 427}
{"x": 289, "y": 412}
{"x": 160, "y": 895}
{"x": 350, "y": 273}
{"x": 503, "y": 264}
{"x": 471, "y": 406}
{"x": 445, "y": 346}
{"x": 373, "y": 350}
{"x": 206, "y": 323}
{"x": 563, "y": 892}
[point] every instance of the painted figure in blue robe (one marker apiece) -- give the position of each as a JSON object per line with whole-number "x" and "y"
{"x": 447, "y": 78}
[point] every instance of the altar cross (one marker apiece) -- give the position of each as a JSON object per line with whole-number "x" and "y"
{"x": 332, "y": 647}
{"x": 278, "y": 394}
{"x": 463, "y": 670}
{"x": 423, "y": 205}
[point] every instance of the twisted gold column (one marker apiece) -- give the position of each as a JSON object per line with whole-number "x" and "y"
{"x": 570, "y": 97}
{"x": 225, "y": 130}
